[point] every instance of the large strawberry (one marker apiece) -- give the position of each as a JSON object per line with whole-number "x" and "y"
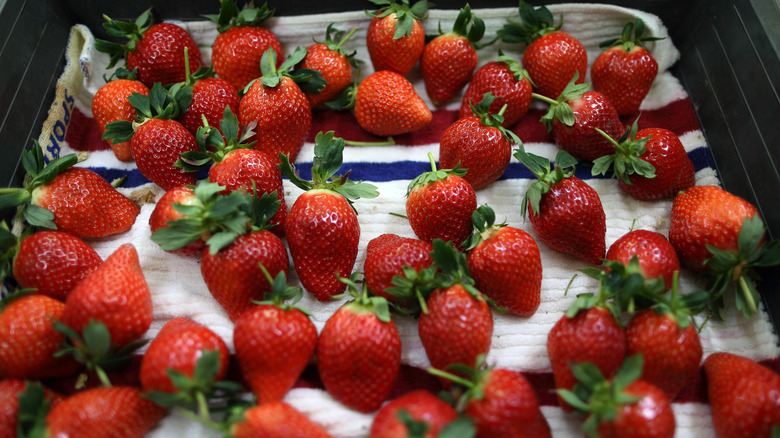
{"x": 656, "y": 257}
{"x": 390, "y": 255}
{"x": 505, "y": 264}
{"x": 22, "y": 406}
{"x": 439, "y": 205}
{"x": 322, "y": 228}
{"x": 334, "y": 64}
{"x": 552, "y": 56}
{"x": 395, "y": 39}
{"x": 397, "y": 418}
{"x": 275, "y": 419}
{"x": 155, "y": 50}
{"x": 565, "y": 212}
{"x": 110, "y": 104}
{"x": 211, "y": 96}
{"x": 387, "y": 104}
{"x": 625, "y": 71}
{"x": 449, "y": 60}
{"x": 479, "y": 143}
{"x": 742, "y": 395}
{"x": 74, "y": 200}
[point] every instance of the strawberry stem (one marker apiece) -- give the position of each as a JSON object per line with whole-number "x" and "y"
{"x": 433, "y": 162}
{"x": 745, "y": 290}
{"x": 449, "y": 376}
{"x": 346, "y": 37}
{"x": 389, "y": 142}
{"x": 104, "y": 380}
{"x": 544, "y": 98}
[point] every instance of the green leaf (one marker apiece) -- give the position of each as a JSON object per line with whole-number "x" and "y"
{"x": 39, "y": 217}
{"x": 14, "y": 198}
{"x": 355, "y": 190}
{"x": 629, "y": 371}
{"x": 207, "y": 367}
{"x": 770, "y": 255}
{"x": 220, "y": 240}
{"x": 229, "y": 124}
{"x": 564, "y": 160}
{"x": 572, "y": 399}
{"x": 97, "y": 339}
{"x": 751, "y": 234}
{"x": 328, "y": 156}
{"x": 461, "y": 427}
{"x": 34, "y": 405}
{"x": 602, "y": 165}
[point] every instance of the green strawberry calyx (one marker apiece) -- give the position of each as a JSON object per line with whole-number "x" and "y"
{"x": 560, "y": 108}
{"x": 331, "y": 35}
{"x": 434, "y": 175}
{"x": 282, "y": 295}
{"x": 34, "y": 405}
{"x": 363, "y": 302}
{"x": 231, "y": 16}
{"x": 540, "y": 166}
{"x": 309, "y": 80}
{"x": 626, "y": 160}
{"x": 472, "y": 379}
{"x": 412, "y": 289}
{"x": 679, "y": 307}
{"x": 468, "y": 26}
{"x": 482, "y": 111}
{"x": 133, "y": 31}
{"x": 631, "y": 37}
{"x": 514, "y": 66}
{"x": 484, "y": 221}
{"x": 214, "y": 144}
{"x": 405, "y": 14}
{"x": 453, "y": 269}
{"x": 534, "y": 23}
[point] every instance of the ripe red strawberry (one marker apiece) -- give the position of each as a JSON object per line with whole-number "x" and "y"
{"x": 274, "y": 342}
{"x": 334, "y": 64}
{"x": 155, "y": 50}
{"x": 449, "y": 60}
{"x": 386, "y": 257}
{"x": 421, "y": 406}
{"x": 505, "y": 264}
{"x": 121, "y": 412}
{"x": 241, "y": 42}
{"x": 210, "y": 97}
{"x": 359, "y": 351}
{"x": 742, "y": 395}
{"x": 439, "y": 205}
{"x": 479, "y": 143}
{"x": 386, "y": 104}
{"x": 566, "y": 213}
{"x": 656, "y": 256}
{"x": 165, "y": 211}
{"x": 28, "y": 340}
{"x": 552, "y": 56}
{"x": 53, "y": 263}
{"x": 322, "y": 229}
{"x": 110, "y": 104}
{"x": 507, "y": 81}
{"x": 276, "y": 419}
{"x": 73, "y": 200}
{"x": 395, "y": 38}
{"x": 16, "y": 396}
{"x": 625, "y": 71}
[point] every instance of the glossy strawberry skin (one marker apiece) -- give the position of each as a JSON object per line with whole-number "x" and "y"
{"x": 506, "y": 267}
{"x": 447, "y": 63}
{"x": 497, "y": 78}
{"x": 591, "y": 111}
{"x": 53, "y": 263}
{"x": 552, "y": 60}
{"x": 706, "y": 215}
{"x": 10, "y": 389}
{"x": 387, "y": 254}
{"x": 120, "y": 412}
{"x": 397, "y": 55}
{"x": 358, "y": 357}
{"x": 674, "y": 171}
{"x": 233, "y": 275}
{"x": 210, "y": 96}
{"x": 671, "y": 354}
{"x": 323, "y": 234}
{"x": 624, "y": 77}
{"x": 742, "y": 395}
{"x": 156, "y": 146}
{"x": 483, "y": 150}
{"x": 283, "y": 117}
{"x": 386, "y": 104}
{"x": 28, "y": 340}
{"x": 164, "y": 212}
{"x": 571, "y": 219}
{"x": 85, "y": 205}
{"x": 421, "y": 405}
{"x": 159, "y": 55}
{"x": 110, "y": 104}
{"x": 273, "y": 346}
{"x": 442, "y": 210}
{"x": 656, "y": 255}
{"x": 276, "y": 420}
{"x": 334, "y": 68}
{"x": 179, "y": 345}
{"x": 650, "y": 417}
{"x": 236, "y": 53}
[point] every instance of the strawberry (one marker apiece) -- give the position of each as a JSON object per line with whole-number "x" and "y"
{"x": 449, "y": 60}
{"x": 387, "y": 104}
{"x": 274, "y": 342}
{"x": 656, "y": 256}
{"x": 552, "y": 56}
{"x": 395, "y": 38}
{"x": 73, "y": 200}
{"x": 334, "y": 64}
{"x": 155, "y": 50}
{"x": 322, "y": 229}
{"x": 389, "y": 255}
{"x": 359, "y": 350}
{"x": 507, "y": 81}
{"x": 166, "y": 211}
{"x": 625, "y": 71}
{"x": 505, "y": 264}
{"x": 28, "y": 340}
{"x": 649, "y": 164}
{"x": 742, "y": 395}
{"x": 25, "y": 401}
{"x": 110, "y": 104}
{"x": 241, "y": 42}
{"x": 479, "y": 143}
{"x": 276, "y": 419}
{"x": 53, "y": 263}
{"x": 574, "y": 115}
{"x": 419, "y": 406}
{"x": 566, "y": 213}
{"x": 439, "y": 205}
{"x": 210, "y": 97}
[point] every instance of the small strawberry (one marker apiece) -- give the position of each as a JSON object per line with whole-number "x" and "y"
{"x": 359, "y": 351}
{"x": 439, "y": 205}
{"x": 166, "y": 211}
{"x": 656, "y": 256}
{"x": 110, "y": 104}
{"x": 334, "y": 64}
{"x": 566, "y": 213}
{"x": 155, "y": 50}
{"x": 742, "y": 395}
{"x": 390, "y": 255}
{"x": 23, "y": 405}
{"x": 507, "y": 81}
{"x": 505, "y": 264}
{"x": 625, "y": 71}
{"x": 449, "y": 60}
{"x": 274, "y": 342}
{"x": 395, "y": 38}
{"x": 387, "y": 104}
{"x": 276, "y": 419}
{"x": 210, "y": 97}
{"x": 419, "y": 407}
{"x": 479, "y": 143}
{"x": 552, "y": 56}
{"x": 322, "y": 229}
